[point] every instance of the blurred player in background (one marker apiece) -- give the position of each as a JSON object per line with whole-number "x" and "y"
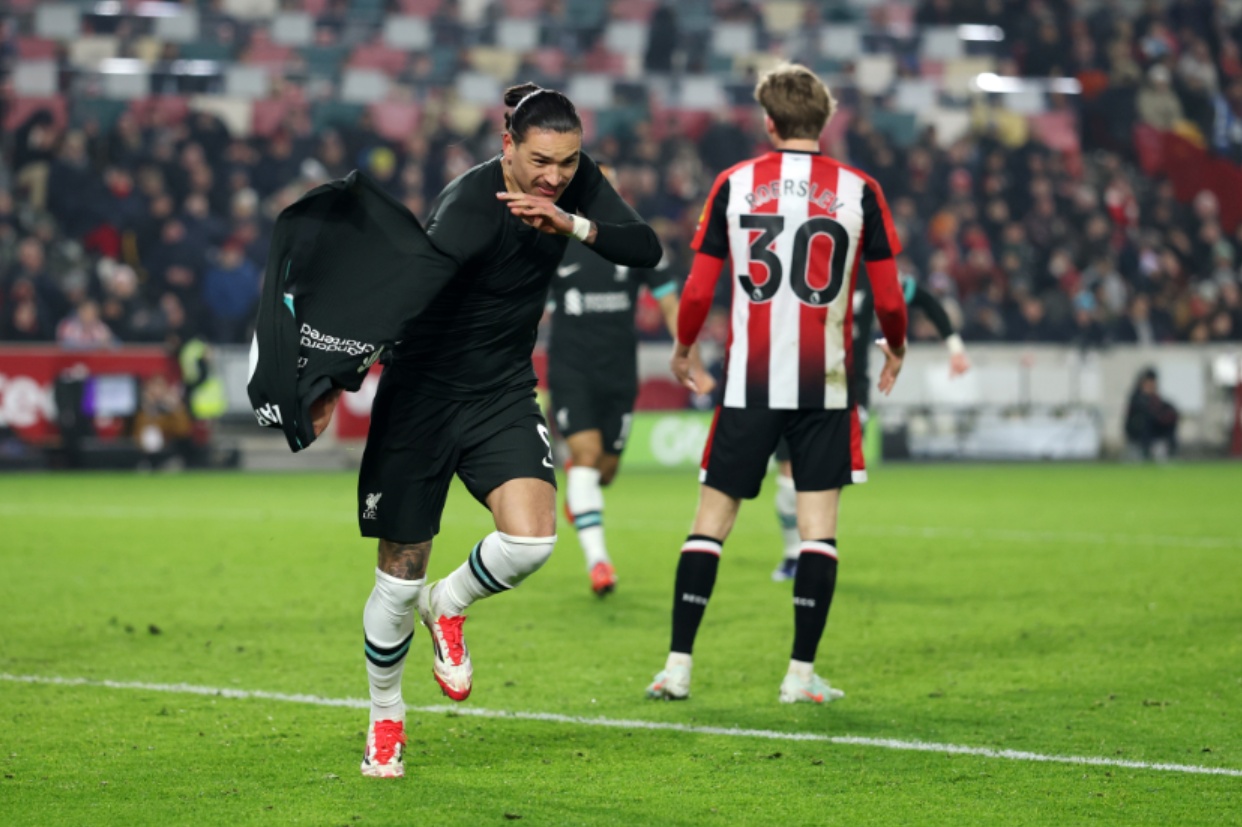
{"x": 793, "y": 223}
{"x": 593, "y": 378}
{"x": 459, "y": 396}
{"x": 864, "y": 317}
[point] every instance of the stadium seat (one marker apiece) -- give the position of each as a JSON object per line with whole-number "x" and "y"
{"x": 589, "y": 91}
{"x": 700, "y": 92}
{"x": 267, "y": 115}
{"x": 293, "y": 29}
{"x": 57, "y": 21}
{"x": 251, "y": 82}
{"x": 100, "y": 110}
{"x": 500, "y": 64}
{"x": 478, "y": 88}
{"x": 20, "y": 109}
{"x": 363, "y": 85}
{"x": 127, "y": 86}
{"x": 182, "y": 27}
{"x": 549, "y": 61}
{"x": 522, "y": 8}
{"x": 234, "y": 113}
{"x": 324, "y": 61}
{"x": 420, "y": 8}
{"x": 875, "y": 73}
{"x": 1058, "y": 130}
{"x": 639, "y": 10}
{"x": 251, "y": 9}
{"x": 335, "y": 113}
{"x": 915, "y": 94}
{"x": 379, "y": 57}
{"x": 733, "y": 39}
{"x": 941, "y": 43}
{"x": 267, "y": 54}
{"x": 783, "y": 16}
{"x": 36, "y": 78}
{"x": 585, "y": 14}
{"x": 395, "y": 120}
{"x": 205, "y": 50}
{"x": 36, "y": 48}
{"x": 518, "y": 34}
{"x": 407, "y": 32}
{"x": 840, "y": 42}
{"x": 626, "y": 37}
{"x": 89, "y": 51}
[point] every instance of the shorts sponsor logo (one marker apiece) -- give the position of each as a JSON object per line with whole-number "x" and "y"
{"x": 568, "y": 270}
{"x": 317, "y": 340}
{"x": 268, "y": 416}
{"x": 686, "y": 597}
{"x": 804, "y": 602}
{"x": 369, "y": 512}
{"x": 562, "y": 419}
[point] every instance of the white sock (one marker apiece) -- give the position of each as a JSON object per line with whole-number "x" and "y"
{"x": 388, "y": 624}
{"x": 678, "y": 659}
{"x": 787, "y": 514}
{"x": 498, "y": 563}
{"x": 802, "y": 670}
{"x": 585, "y": 499}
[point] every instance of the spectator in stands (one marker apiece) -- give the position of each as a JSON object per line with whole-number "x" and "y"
{"x": 1143, "y": 325}
{"x": 231, "y": 292}
{"x": 26, "y": 318}
{"x": 84, "y": 329}
{"x": 162, "y": 427}
{"x": 1157, "y": 103}
{"x": 1151, "y": 420}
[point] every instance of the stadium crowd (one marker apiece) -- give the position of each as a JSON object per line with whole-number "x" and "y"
{"x": 157, "y": 225}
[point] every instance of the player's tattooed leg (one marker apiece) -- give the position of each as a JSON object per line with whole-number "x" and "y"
{"x": 407, "y": 561}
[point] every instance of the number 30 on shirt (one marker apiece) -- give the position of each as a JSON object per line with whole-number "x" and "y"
{"x": 769, "y": 228}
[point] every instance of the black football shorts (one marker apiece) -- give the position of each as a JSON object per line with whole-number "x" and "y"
{"x": 416, "y": 444}
{"x": 825, "y": 449}
{"x": 578, "y": 408}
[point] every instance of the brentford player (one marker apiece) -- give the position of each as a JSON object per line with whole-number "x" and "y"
{"x": 791, "y": 226}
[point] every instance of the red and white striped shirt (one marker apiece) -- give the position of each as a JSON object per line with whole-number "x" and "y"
{"x": 791, "y": 226}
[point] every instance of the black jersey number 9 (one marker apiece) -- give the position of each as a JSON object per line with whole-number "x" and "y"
{"x": 771, "y": 226}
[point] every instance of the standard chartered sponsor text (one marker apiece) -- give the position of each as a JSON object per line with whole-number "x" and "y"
{"x": 316, "y": 340}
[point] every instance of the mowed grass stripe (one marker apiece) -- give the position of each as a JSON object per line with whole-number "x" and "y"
{"x": 45, "y": 510}
{"x": 614, "y": 723}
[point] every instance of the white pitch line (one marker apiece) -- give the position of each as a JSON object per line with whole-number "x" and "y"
{"x": 345, "y": 517}
{"x": 620, "y": 723}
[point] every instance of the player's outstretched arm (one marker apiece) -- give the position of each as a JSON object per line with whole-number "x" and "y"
{"x": 959, "y": 363}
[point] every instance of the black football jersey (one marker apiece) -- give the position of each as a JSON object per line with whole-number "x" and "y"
{"x": 477, "y": 335}
{"x": 593, "y": 340}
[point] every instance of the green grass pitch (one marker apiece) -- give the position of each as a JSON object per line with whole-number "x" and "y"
{"x": 1086, "y": 611}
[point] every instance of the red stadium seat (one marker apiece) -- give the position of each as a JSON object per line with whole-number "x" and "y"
{"x": 523, "y": 8}
{"x": 379, "y": 56}
{"x": 420, "y": 8}
{"x": 36, "y": 48}
{"x": 267, "y": 116}
{"x": 635, "y": 10}
{"x": 395, "y": 120}
{"x": 22, "y": 108}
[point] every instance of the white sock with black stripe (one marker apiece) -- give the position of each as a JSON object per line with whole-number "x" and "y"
{"x": 388, "y": 628}
{"x": 585, "y": 499}
{"x": 498, "y": 563}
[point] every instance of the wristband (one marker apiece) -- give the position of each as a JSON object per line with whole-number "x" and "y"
{"x": 582, "y": 227}
{"x": 954, "y": 342}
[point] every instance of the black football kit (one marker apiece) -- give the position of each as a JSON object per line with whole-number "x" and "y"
{"x": 592, "y": 354}
{"x": 459, "y": 395}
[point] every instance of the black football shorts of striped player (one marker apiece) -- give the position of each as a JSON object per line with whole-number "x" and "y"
{"x": 459, "y": 396}
{"x": 794, "y": 223}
